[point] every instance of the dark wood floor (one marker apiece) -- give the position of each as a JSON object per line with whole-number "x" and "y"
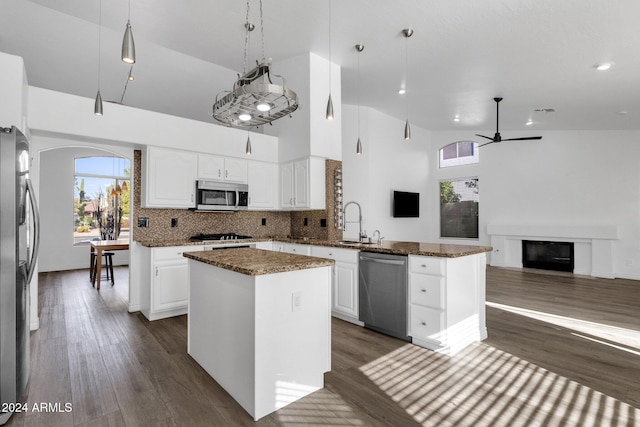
{"x": 562, "y": 350}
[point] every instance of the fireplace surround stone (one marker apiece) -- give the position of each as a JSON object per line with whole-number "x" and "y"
{"x": 593, "y": 245}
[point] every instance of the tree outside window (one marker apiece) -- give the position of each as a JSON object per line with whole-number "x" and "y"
{"x": 102, "y": 194}
{"x": 459, "y": 208}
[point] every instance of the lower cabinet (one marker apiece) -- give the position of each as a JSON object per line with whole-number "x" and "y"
{"x": 344, "y": 293}
{"x": 446, "y": 302}
{"x": 165, "y": 290}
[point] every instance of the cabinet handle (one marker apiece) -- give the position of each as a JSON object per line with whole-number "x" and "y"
{"x": 423, "y": 265}
{"x": 156, "y": 271}
{"x": 226, "y": 173}
{"x": 330, "y": 254}
{"x": 219, "y": 173}
{"x": 423, "y": 290}
{"x": 423, "y": 323}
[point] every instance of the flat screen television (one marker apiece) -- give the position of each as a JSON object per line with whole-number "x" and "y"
{"x": 406, "y": 204}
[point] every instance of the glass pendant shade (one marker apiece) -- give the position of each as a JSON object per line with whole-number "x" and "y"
{"x": 128, "y": 46}
{"x": 329, "y": 114}
{"x": 407, "y": 130}
{"x": 124, "y": 186}
{"x": 97, "y": 108}
{"x": 248, "y": 147}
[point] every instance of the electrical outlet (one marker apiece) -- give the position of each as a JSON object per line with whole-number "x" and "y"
{"x": 143, "y": 222}
{"x": 306, "y": 222}
{"x": 323, "y": 222}
{"x": 174, "y": 222}
{"x": 296, "y": 301}
{"x": 264, "y": 221}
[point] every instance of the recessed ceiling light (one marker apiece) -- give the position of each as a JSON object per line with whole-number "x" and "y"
{"x": 623, "y": 112}
{"x": 603, "y": 66}
{"x": 402, "y": 91}
{"x": 244, "y": 117}
{"x": 529, "y": 122}
{"x": 456, "y": 118}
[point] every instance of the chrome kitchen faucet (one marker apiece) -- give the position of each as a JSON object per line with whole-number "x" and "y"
{"x": 361, "y": 234}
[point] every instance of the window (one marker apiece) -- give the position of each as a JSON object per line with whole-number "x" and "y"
{"x": 101, "y": 201}
{"x": 459, "y": 153}
{"x": 459, "y": 208}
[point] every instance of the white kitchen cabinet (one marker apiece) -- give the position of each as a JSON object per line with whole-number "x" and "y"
{"x": 168, "y": 178}
{"x": 164, "y": 291}
{"x": 302, "y": 184}
{"x": 344, "y": 289}
{"x": 446, "y": 302}
{"x": 218, "y": 168}
{"x": 296, "y": 248}
{"x": 267, "y": 246}
{"x": 263, "y": 190}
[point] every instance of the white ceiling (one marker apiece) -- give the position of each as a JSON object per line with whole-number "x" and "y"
{"x": 534, "y": 53}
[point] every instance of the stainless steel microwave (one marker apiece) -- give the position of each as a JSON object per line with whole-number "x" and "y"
{"x": 221, "y": 196}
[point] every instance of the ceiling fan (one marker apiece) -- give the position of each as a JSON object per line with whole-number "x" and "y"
{"x": 497, "y": 137}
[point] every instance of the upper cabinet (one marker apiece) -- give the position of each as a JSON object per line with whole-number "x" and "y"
{"x": 302, "y": 184}
{"x": 218, "y": 168}
{"x": 168, "y": 178}
{"x": 263, "y": 187}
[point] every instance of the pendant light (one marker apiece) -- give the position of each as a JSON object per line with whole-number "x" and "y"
{"x": 329, "y": 113}
{"x": 408, "y": 32}
{"x": 247, "y": 149}
{"x": 359, "y": 48}
{"x": 128, "y": 46}
{"x": 97, "y": 106}
{"x": 255, "y": 99}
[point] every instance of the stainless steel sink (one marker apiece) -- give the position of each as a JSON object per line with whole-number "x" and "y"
{"x": 354, "y": 243}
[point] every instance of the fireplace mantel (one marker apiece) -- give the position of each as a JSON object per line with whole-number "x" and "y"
{"x": 593, "y": 244}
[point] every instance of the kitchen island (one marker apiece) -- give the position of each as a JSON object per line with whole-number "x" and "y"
{"x": 259, "y": 323}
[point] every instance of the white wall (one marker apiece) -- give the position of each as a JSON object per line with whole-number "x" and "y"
{"x": 569, "y": 178}
{"x": 307, "y": 132}
{"x": 388, "y": 163}
{"x": 56, "y": 207}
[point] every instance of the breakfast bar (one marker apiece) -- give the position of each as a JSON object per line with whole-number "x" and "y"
{"x": 260, "y": 324}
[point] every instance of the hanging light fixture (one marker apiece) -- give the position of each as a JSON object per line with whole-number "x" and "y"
{"x": 329, "y": 113}
{"x": 408, "y": 32}
{"x": 97, "y": 106}
{"x": 359, "y": 48}
{"x": 124, "y": 186}
{"x": 128, "y": 46}
{"x": 247, "y": 149}
{"x": 254, "y": 99}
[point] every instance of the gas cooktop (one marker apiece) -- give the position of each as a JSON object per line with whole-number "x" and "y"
{"x": 218, "y": 236}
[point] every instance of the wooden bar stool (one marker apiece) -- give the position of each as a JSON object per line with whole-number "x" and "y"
{"x": 108, "y": 263}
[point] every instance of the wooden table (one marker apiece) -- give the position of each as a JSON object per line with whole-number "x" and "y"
{"x": 97, "y": 247}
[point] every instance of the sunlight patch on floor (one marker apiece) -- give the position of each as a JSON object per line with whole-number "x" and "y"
{"x": 484, "y": 386}
{"x": 623, "y": 336}
{"x": 322, "y": 408}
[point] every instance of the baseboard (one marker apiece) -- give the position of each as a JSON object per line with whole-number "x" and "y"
{"x": 134, "y": 308}
{"x": 627, "y": 276}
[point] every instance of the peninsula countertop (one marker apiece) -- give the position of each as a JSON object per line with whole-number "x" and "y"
{"x": 257, "y": 262}
{"x": 443, "y": 250}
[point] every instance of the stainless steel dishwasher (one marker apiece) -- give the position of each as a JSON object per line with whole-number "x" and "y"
{"x": 383, "y": 293}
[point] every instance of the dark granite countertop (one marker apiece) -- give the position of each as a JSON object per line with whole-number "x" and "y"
{"x": 256, "y": 262}
{"x": 444, "y": 250}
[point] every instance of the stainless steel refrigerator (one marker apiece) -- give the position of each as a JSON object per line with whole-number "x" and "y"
{"x": 19, "y": 237}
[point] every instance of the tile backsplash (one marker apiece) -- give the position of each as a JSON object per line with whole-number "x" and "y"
{"x": 319, "y": 224}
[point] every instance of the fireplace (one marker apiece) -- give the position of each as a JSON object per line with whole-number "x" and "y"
{"x": 545, "y": 255}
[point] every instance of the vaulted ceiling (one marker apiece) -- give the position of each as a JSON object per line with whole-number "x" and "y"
{"x": 537, "y": 54}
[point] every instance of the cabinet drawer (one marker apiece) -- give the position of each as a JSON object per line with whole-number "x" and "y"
{"x": 344, "y": 255}
{"x": 427, "y": 290}
{"x": 294, "y": 248}
{"x": 427, "y": 323}
{"x": 172, "y": 253}
{"x": 426, "y": 265}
